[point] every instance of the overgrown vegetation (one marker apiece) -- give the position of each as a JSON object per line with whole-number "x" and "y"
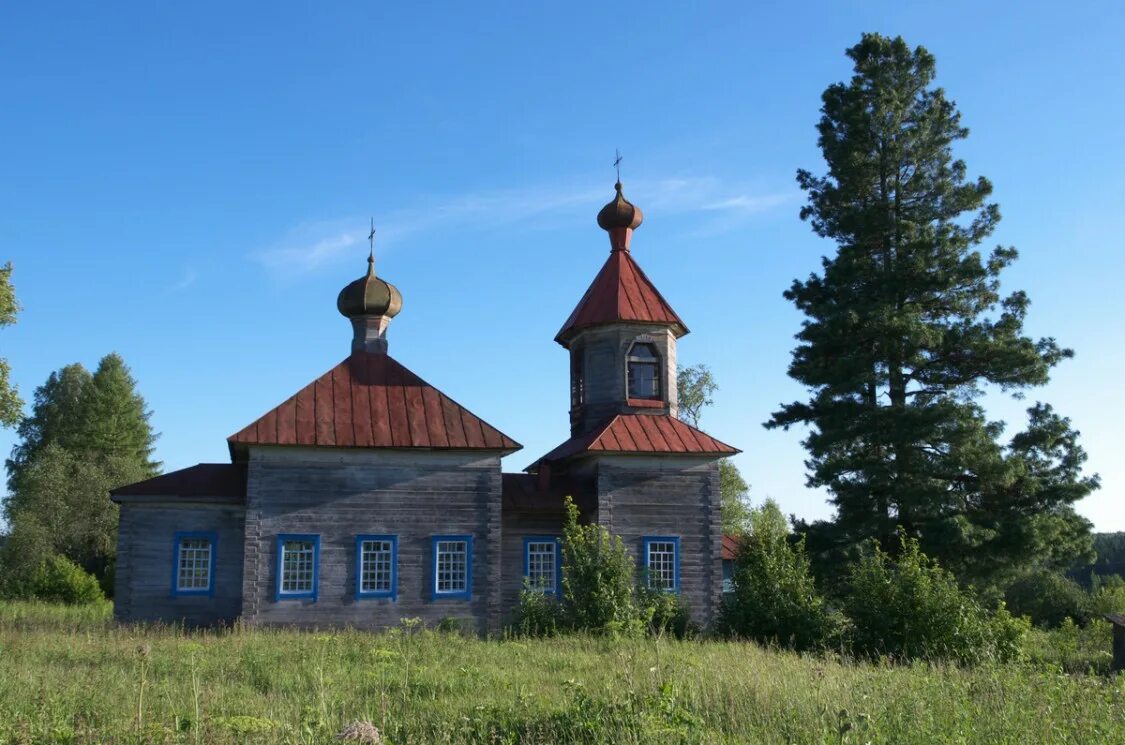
{"x": 907, "y": 606}
{"x": 71, "y": 676}
{"x": 601, "y": 592}
{"x": 775, "y": 599}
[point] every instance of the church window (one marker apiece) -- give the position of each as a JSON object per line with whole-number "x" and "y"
{"x": 577, "y": 379}
{"x": 298, "y": 559}
{"x": 453, "y": 566}
{"x": 644, "y": 371}
{"x": 376, "y": 568}
{"x": 662, "y": 562}
{"x": 194, "y": 567}
{"x": 542, "y": 560}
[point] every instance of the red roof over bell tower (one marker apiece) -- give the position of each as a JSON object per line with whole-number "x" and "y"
{"x": 621, "y": 292}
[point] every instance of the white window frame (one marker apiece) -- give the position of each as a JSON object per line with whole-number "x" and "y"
{"x": 197, "y": 554}
{"x": 443, "y": 553}
{"x": 313, "y": 550}
{"x": 388, "y": 550}
{"x": 554, "y": 551}
{"x": 658, "y": 546}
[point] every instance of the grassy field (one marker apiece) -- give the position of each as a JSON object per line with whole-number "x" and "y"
{"x": 68, "y": 675}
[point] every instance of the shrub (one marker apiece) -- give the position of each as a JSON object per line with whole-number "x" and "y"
{"x": 663, "y": 612}
{"x": 538, "y": 614}
{"x": 775, "y": 600}
{"x": 597, "y": 579}
{"x": 1048, "y": 598}
{"x": 60, "y": 580}
{"x": 1072, "y": 649}
{"x": 910, "y": 607}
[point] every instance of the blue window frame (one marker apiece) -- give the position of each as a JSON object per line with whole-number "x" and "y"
{"x": 542, "y": 563}
{"x": 662, "y": 562}
{"x": 376, "y": 566}
{"x": 452, "y": 567}
{"x": 193, "y": 563}
{"x": 298, "y": 566}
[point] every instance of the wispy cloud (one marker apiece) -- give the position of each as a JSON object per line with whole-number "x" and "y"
{"x": 312, "y": 245}
{"x": 752, "y": 204}
{"x": 187, "y": 280}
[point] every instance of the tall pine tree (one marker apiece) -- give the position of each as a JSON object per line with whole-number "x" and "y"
{"x": 906, "y": 327}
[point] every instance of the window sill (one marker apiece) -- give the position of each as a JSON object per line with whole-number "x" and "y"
{"x": 645, "y": 403}
{"x": 192, "y": 593}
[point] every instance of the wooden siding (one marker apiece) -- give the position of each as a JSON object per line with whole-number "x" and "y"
{"x": 339, "y": 494}
{"x": 603, "y": 353}
{"x": 669, "y": 496}
{"x": 146, "y": 556}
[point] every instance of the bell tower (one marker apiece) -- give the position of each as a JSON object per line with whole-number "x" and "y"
{"x": 622, "y": 334}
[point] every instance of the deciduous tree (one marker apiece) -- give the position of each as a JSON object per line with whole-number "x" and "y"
{"x": 695, "y": 387}
{"x": 56, "y": 417}
{"x": 10, "y": 403}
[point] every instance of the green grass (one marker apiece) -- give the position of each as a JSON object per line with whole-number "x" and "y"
{"x": 70, "y": 675}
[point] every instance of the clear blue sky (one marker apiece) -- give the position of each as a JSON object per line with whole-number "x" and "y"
{"x": 190, "y": 184}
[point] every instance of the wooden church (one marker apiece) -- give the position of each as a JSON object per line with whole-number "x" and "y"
{"x": 370, "y": 496}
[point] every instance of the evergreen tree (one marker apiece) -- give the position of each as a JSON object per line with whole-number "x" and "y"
{"x": 56, "y": 417}
{"x": 10, "y": 404}
{"x": 906, "y": 326}
{"x": 115, "y": 418}
{"x": 694, "y": 388}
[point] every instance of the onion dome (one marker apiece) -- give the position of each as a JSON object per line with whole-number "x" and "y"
{"x": 620, "y": 213}
{"x": 369, "y": 296}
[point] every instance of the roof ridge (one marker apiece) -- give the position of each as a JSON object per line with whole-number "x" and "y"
{"x": 382, "y": 397}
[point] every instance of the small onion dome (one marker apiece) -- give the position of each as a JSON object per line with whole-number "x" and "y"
{"x": 369, "y": 296}
{"x": 620, "y": 213}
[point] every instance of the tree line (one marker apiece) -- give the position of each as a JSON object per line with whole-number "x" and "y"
{"x": 87, "y": 433}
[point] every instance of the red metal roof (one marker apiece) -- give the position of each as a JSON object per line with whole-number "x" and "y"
{"x": 620, "y": 293}
{"x": 729, "y": 547}
{"x": 642, "y": 433}
{"x": 372, "y": 401}
{"x": 201, "y": 480}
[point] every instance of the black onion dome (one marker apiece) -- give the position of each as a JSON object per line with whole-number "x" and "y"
{"x": 620, "y": 213}
{"x": 369, "y": 296}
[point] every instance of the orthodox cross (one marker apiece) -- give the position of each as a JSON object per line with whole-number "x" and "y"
{"x": 371, "y": 242}
{"x": 617, "y": 162}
